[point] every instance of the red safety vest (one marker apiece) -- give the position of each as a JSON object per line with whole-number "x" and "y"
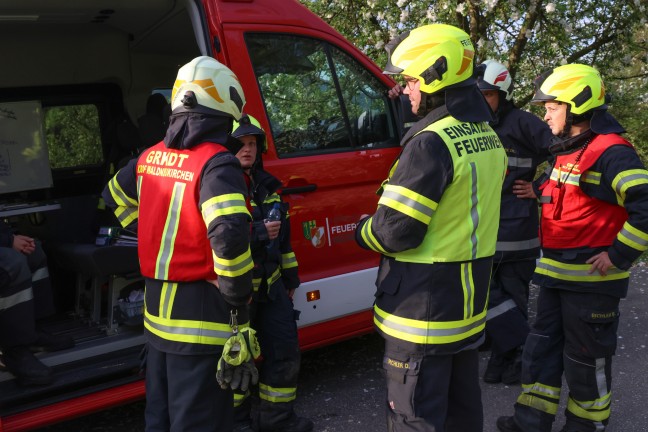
{"x": 173, "y": 242}
{"x": 571, "y": 218}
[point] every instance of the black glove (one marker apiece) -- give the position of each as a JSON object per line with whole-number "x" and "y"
{"x": 236, "y": 368}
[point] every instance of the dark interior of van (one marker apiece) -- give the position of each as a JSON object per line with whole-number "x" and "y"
{"x": 84, "y": 87}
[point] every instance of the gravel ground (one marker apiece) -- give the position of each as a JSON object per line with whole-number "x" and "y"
{"x": 342, "y": 388}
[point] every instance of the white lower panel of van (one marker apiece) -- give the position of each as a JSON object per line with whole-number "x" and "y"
{"x": 339, "y": 296}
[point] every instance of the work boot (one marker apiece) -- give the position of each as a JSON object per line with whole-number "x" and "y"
{"x": 21, "y": 362}
{"x": 513, "y": 371}
{"x": 497, "y": 364}
{"x": 293, "y": 424}
{"x": 50, "y": 342}
{"x": 508, "y": 424}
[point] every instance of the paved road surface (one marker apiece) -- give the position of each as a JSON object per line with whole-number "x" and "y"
{"x": 342, "y": 389}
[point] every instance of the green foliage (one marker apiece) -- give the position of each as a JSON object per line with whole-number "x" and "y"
{"x": 73, "y": 136}
{"x": 529, "y": 36}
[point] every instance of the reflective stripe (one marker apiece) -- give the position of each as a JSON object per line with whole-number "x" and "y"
{"x": 467, "y": 285}
{"x": 167, "y": 297}
{"x": 598, "y": 409}
{"x": 500, "y": 309}
{"x": 520, "y": 162}
{"x": 531, "y": 393}
{"x": 256, "y": 282}
{"x": 274, "y": 277}
{"x": 538, "y": 403}
{"x": 369, "y": 239}
{"x": 20, "y": 297}
{"x": 633, "y": 237}
{"x": 40, "y": 274}
{"x": 288, "y": 260}
{"x": 566, "y": 177}
{"x": 189, "y": 331}
{"x": 512, "y": 246}
{"x": 239, "y": 398}
{"x": 627, "y": 179}
{"x": 233, "y": 267}
{"x": 428, "y": 332}
{"x": 271, "y": 199}
{"x": 222, "y": 205}
{"x": 126, "y": 215}
{"x": 408, "y": 202}
{"x": 592, "y": 177}
{"x": 474, "y": 212}
{"x": 167, "y": 243}
{"x": 274, "y": 394}
{"x": 118, "y": 194}
{"x": 576, "y": 272}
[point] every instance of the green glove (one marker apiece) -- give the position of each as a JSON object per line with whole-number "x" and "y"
{"x": 236, "y": 366}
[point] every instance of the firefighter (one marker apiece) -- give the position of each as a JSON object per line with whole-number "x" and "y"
{"x": 188, "y": 195}
{"x": 526, "y": 139}
{"x": 594, "y": 224}
{"x": 436, "y": 227}
{"x": 275, "y": 279}
{"x": 25, "y": 297}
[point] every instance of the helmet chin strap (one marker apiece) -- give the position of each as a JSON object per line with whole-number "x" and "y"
{"x": 566, "y": 144}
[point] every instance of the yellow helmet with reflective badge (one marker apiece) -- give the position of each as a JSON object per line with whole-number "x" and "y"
{"x": 206, "y": 82}
{"x": 438, "y": 55}
{"x": 578, "y": 85}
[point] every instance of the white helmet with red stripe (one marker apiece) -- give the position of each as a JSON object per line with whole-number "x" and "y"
{"x": 493, "y": 75}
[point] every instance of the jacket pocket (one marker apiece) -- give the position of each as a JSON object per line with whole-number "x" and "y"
{"x": 389, "y": 277}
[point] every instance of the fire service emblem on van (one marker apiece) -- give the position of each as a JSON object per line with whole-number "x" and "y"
{"x": 316, "y": 234}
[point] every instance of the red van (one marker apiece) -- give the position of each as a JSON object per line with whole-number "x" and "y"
{"x": 86, "y": 83}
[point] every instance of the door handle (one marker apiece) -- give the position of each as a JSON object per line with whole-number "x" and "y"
{"x": 298, "y": 189}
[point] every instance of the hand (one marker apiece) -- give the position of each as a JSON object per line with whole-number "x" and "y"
{"x": 523, "y": 189}
{"x": 395, "y": 91}
{"x": 600, "y": 262}
{"x": 24, "y": 244}
{"x": 291, "y": 293}
{"x": 273, "y": 228}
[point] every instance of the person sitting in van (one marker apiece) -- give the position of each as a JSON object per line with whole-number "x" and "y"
{"x": 274, "y": 282}
{"x": 25, "y": 297}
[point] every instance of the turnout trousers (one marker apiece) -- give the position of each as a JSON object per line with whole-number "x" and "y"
{"x": 432, "y": 393}
{"x": 575, "y": 333}
{"x": 275, "y": 322}
{"x": 25, "y": 295}
{"x": 508, "y": 302}
{"x": 176, "y": 401}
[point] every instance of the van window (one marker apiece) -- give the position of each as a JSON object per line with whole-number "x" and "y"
{"x": 319, "y": 99}
{"x": 73, "y": 136}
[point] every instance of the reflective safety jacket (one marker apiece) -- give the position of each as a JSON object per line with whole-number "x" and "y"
{"x": 526, "y": 139}
{"x": 273, "y": 260}
{"x": 436, "y": 226}
{"x": 206, "y": 185}
{"x": 596, "y": 199}
{"x": 173, "y": 243}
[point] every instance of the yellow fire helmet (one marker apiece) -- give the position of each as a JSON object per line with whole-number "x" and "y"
{"x": 205, "y": 82}
{"x": 578, "y": 85}
{"x": 438, "y": 55}
{"x": 248, "y": 125}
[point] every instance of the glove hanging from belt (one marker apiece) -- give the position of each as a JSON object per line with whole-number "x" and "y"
{"x": 236, "y": 368}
